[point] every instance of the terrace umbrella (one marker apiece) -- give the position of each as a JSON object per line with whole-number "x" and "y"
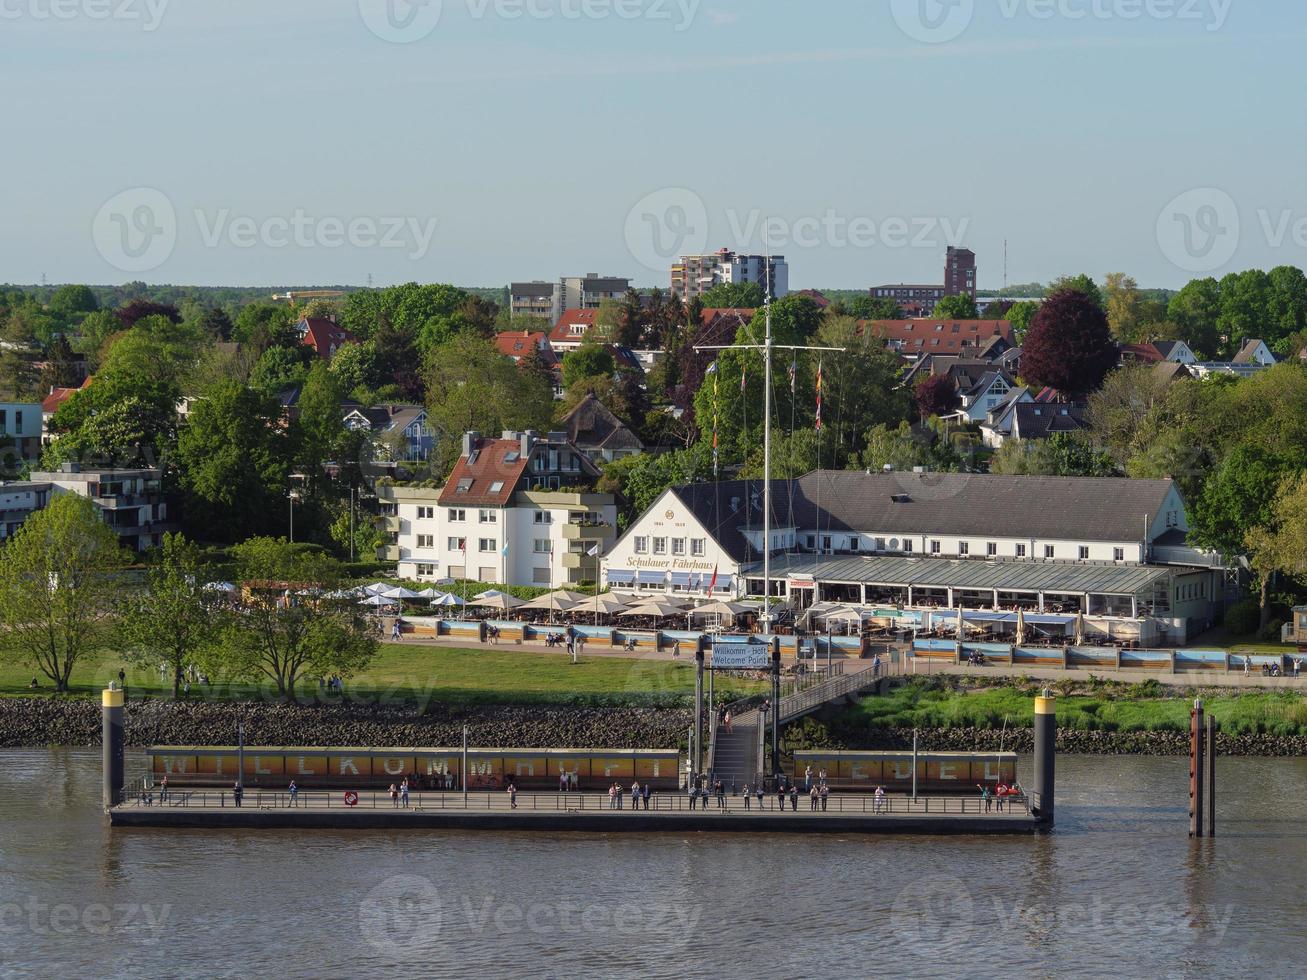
{"x": 447, "y": 601}
{"x": 554, "y": 602}
{"x": 1080, "y": 629}
{"x": 721, "y": 608}
{"x": 399, "y": 592}
{"x": 376, "y": 588}
{"x": 219, "y": 587}
{"x": 430, "y": 594}
{"x": 657, "y": 608}
{"x": 1021, "y": 627}
{"x": 376, "y": 601}
{"x": 501, "y": 602}
{"x": 489, "y": 594}
{"x": 962, "y": 625}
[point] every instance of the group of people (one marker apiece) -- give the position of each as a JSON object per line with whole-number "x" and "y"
{"x": 639, "y": 794}
{"x": 994, "y": 799}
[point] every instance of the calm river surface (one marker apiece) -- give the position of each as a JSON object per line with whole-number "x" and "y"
{"x": 1118, "y": 889}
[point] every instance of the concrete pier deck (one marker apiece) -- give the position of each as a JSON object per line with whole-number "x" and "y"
{"x": 576, "y": 812}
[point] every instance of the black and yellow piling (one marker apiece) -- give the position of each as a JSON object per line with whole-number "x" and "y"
{"x": 113, "y": 740}
{"x": 1045, "y": 754}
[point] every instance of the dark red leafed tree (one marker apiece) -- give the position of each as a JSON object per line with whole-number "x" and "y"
{"x": 139, "y": 309}
{"x": 937, "y": 395}
{"x": 1069, "y": 345}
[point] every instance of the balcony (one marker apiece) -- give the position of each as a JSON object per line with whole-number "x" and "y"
{"x": 584, "y": 563}
{"x": 587, "y": 532}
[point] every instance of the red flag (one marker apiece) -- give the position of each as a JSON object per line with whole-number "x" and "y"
{"x": 712, "y": 586}
{"x": 819, "y": 387}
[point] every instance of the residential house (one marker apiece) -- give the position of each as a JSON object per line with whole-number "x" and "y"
{"x": 598, "y": 433}
{"x": 518, "y": 344}
{"x": 919, "y": 337}
{"x": 990, "y": 391}
{"x": 573, "y": 329}
{"x": 400, "y": 432}
{"x": 18, "y": 501}
{"x": 1253, "y": 358}
{"x": 326, "y": 337}
{"x": 1039, "y": 420}
{"x": 51, "y": 405}
{"x": 997, "y": 427}
{"x": 1254, "y": 352}
{"x": 694, "y": 275}
{"x": 131, "y": 501}
{"x": 518, "y": 510}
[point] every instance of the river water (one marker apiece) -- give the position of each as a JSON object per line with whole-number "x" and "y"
{"x": 1117, "y": 889}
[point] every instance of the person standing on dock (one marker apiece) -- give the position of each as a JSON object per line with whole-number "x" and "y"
{"x": 984, "y": 795}
{"x": 635, "y": 795}
{"x": 294, "y": 792}
{"x": 780, "y": 795}
{"x": 762, "y": 802}
{"x": 746, "y": 796}
{"x": 512, "y": 796}
{"x": 647, "y": 793}
{"x": 394, "y": 795}
{"x": 237, "y": 792}
{"x": 403, "y": 793}
{"x": 163, "y": 790}
{"x": 879, "y": 806}
{"x": 694, "y": 793}
{"x": 794, "y": 799}
{"x": 807, "y": 779}
{"x": 824, "y": 792}
{"x": 812, "y": 799}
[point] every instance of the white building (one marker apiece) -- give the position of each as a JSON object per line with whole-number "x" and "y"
{"x": 518, "y": 510}
{"x": 696, "y": 274}
{"x": 20, "y": 431}
{"x": 1101, "y": 547}
{"x": 131, "y": 501}
{"x": 550, "y": 299}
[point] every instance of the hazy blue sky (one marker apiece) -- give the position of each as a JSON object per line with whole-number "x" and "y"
{"x": 179, "y": 141}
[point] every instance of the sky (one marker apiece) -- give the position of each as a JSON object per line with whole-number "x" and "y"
{"x": 298, "y": 142}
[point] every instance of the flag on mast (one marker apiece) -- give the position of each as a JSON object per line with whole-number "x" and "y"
{"x": 794, "y": 373}
{"x": 712, "y": 586}
{"x": 712, "y": 369}
{"x": 819, "y": 388}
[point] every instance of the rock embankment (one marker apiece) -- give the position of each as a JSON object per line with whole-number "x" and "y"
{"x": 26, "y": 723}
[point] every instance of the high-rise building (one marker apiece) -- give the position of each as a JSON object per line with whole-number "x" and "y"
{"x": 960, "y": 272}
{"x": 694, "y": 275}
{"x": 549, "y": 299}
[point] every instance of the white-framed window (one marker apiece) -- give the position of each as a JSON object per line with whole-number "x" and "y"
{"x": 1021, "y": 551}
{"x": 497, "y": 486}
{"x": 1118, "y": 554}
{"x": 642, "y": 546}
{"x": 698, "y": 547}
{"x": 457, "y": 515}
{"x": 1084, "y": 552}
{"x": 1050, "y": 551}
{"x": 426, "y": 513}
{"x": 660, "y": 546}
{"x": 456, "y": 544}
{"x": 426, "y": 540}
{"x": 907, "y": 546}
{"x": 991, "y": 548}
{"x": 544, "y": 517}
{"x": 543, "y": 546}
{"x": 427, "y": 570}
{"x": 488, "y": 516}
{"x": 487, "y": 546}
{"x": 964, "y": 547}
{"x": 678, "y": 547}
{"x": 934, "y": 547}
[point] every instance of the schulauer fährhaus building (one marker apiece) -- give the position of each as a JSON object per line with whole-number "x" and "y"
{"x": 1112, "y": 550}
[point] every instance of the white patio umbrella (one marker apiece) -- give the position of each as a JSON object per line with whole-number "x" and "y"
{"x": 489, "y": 594}
{"x": 376, "y": 588}
{"x": 430, "y": 594}
{"x": 502, "y": 602}
{"x": 219, "y": 587}
{"x": 447, "y": 601}
{"x": 1021, "y": 627}
{"x": 722, "y": 608}
{"x": 659, "y": 608}
{"x": 399, "y": 592}
{"x": 376, "y": 601}
{"x": 554, "y": 602}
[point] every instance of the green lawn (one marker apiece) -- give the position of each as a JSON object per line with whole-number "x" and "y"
{"x": 424, "y": 673}
{"x": 1220, "y": 638}
{"x": 1108, "y": 707}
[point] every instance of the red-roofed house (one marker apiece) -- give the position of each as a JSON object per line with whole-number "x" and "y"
{"x": 517, "y": 344}
{"x": 51, "y": 405}
{"x": 916, "y": 338}
{"x": 572, "y": 330}
{"x": 324, "y": 336}
{"x": 518, "y": 510}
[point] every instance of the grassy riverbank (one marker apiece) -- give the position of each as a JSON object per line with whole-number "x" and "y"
{"x": 426, "y": 674}
{"x": 1092, "y": 705}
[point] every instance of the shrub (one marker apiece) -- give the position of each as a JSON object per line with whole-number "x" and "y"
{"x": 1272, "y": 632}
{"x": 1242, "y": 618}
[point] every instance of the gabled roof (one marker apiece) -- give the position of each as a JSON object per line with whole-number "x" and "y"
{"x": 726, "y": 510}
{"x": 1038, "y": 421}
{"x": 987, "y": 381}
{"x": 487, "y": 478}
{"x": 591, "y": 425}
{"x": 1168, "y": 371}
{"x": 1248, "y": 353}
{"x": 1147, "y": 353}
{"x": 1165, "y": 347}
{"x": 562, "y": 332}
{"x": 928, "y": 335}
{"x": 1000, "y": 416}
{"x": 994, "y": 346}
{"x": 50, "y": 404}
{"x": 324, "y": 336}
{"x": 518, "y": 344}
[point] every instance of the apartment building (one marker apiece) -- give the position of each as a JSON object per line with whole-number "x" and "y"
{"x": 696, "y": 274}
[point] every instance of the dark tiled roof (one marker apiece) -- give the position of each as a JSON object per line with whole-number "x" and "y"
{"x": 497, "y": 462}
{"x": 727, "y": 509}
{"x": 591, "y": 425}
{"x": 1039, "y": 421}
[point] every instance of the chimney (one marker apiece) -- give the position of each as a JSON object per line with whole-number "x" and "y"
{"x": 528, "y": 442}
{"x": 471, "y": 440}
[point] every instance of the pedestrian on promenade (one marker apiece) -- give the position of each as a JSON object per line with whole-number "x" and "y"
{"x": 721, "y": 795}
{"x": 394, "y": 632}
{"x": 1247, "y": 665}
{"x": 807, "y": 779}
{"x": 794, "y": 798}
{"x": 812, "y": 799}
{"x": 694, "y": 794}
{"x": 562, "y": 782}
{"x": 780, "y": 795}
{"x": 403, "y": 793}
{"x": 879, "y": 806}
{"x": 825, "y": 792}
{"x": 762, "y": 803}
{"x": 635, "y": 795}
{"x": 237, "y": 791}
{"x": 618, "y": 794}
{"x": 984, "y": 795}
{"x": 512, "y": 796}
{"x": 1000, "y": 792}
{"x": 394, "y": 795}
{"x": 294, "y": 793}
{"x": 726, "y": 720}
{"x": 746, "y": 796}
{"x": 646, "y": 793}
{"x": 163, "y": 790}
{"x": 612, "y": 794}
